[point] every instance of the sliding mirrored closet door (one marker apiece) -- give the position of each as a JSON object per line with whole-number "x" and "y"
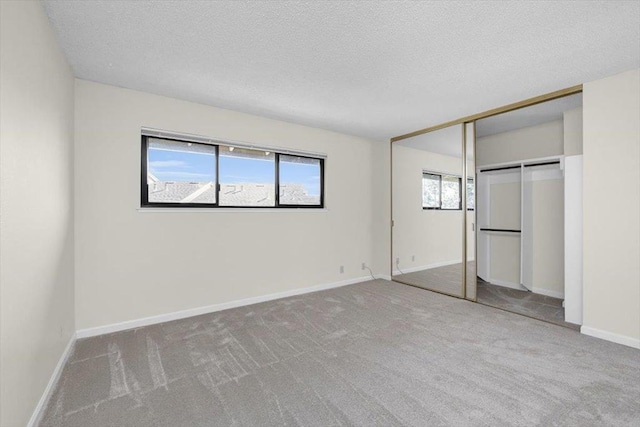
{"x": 483, "y": 209}
{"x": 428, "y": 198}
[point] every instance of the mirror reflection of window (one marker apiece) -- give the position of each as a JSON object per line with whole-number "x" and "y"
{"x": 450, "y": 192}
{"x": 430, "y": 191}
{"x": 444, "y": 192}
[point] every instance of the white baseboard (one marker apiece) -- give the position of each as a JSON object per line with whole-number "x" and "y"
{"x": 610, "y": 336}
{"x": 55, "y": 376}
{"x": 425, "y": 267}
{"x": 549, "y": 293}
{"x": 136, "y": 323}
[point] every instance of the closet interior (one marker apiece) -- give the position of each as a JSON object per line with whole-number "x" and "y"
{"x": 522, "y": 186}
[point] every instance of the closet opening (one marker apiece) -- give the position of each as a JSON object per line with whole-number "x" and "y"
{"x": 528, "y": 175}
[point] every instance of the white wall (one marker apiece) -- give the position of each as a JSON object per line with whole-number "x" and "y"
{"x": 527, "y": 143}
{"x": 573, "y": 264}
{"x": 611, "y": 109}
{"x": 36, "y": 237}
{"x": 133, "y": 264}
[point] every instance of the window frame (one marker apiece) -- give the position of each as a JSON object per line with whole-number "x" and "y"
{"x": 293, "y": 206}
{"x": 461, "y": 193}
{"x": 144, "y": 185}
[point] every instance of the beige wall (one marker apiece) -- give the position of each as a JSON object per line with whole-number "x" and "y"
{"x": 36, "y": 237}
{"x": 505, "y": 205}
{"x": 382, "y": 207}
{"x": 133, "y": 264}
{"x": 611, "y": 109}
{"x": 527, "y": 143}
{"x": 572, "y": 122}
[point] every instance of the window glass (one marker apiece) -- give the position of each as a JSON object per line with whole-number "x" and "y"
{"x": 299, "y": 180}
{"x": 450, "y": 192}
{"x": 247, "y": 177}
{"x": 471, "y": 189}
{"x": 181, "y": 172}
{"x": 430, "y": 191}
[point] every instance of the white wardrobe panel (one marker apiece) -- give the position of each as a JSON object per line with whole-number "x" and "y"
{"x": 573, "y": 239}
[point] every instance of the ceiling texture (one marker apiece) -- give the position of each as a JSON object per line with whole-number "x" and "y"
{"x": 373, "y": 69}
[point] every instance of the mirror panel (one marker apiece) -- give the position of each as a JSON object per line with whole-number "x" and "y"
{"x": 427, "y": 203}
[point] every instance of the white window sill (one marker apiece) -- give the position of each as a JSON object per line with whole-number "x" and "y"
{"x": 229, "y": 210}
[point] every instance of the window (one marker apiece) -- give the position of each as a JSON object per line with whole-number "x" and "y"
{"x": 247, "y": 177}
{"x": 300, "y": 180}
{"x": 444, "y": 192}
{"x": 178, "y": 173}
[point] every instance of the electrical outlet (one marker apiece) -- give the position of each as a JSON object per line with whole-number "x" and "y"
{"x": 341, "y": 269}
{"x": 413, "y": 257}
{"x": 364, "y": 266}
{"x": 397, "y": 260}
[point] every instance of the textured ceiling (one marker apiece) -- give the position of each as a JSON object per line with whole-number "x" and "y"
{"x": 374, "y": 69}
{"x": 529, "y": 116}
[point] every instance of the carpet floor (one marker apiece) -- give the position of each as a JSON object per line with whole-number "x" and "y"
{"x": 372, "y": 354}
{"x": 527, "y": 303}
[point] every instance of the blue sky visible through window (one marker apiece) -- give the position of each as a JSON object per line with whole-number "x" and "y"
{"x": 236, "y": 170}
{"x": 170, "y": 165}
{"x": 305, "y": 174}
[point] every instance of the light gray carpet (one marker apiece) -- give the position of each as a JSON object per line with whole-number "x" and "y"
{"x": 375, "y": 353}
{"x": 446, "y": 279}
